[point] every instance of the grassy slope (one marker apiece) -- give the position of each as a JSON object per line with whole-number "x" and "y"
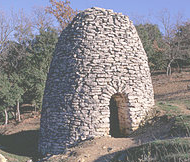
{"x": 158, "y": 151}
{"x": 175, "y": 149}
{"x": 14, "y": 158}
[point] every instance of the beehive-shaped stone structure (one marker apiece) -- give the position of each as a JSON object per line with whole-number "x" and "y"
{"x": 99, "y": 82}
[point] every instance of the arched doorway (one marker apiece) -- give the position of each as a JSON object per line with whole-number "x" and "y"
{"x": 119, "y": 116}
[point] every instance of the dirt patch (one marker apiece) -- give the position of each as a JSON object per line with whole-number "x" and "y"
{"x": 173, "y": 87}
{"x": 21, "y": 139}
{"x": 103, "y": 149}
{"x": 183, "y": 108}
{"x": 32, "y": 122}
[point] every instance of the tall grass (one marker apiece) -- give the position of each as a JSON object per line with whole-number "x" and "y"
{"x": 173, "y": 150}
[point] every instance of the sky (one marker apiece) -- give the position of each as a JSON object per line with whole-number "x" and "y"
{"x": 132, "y": 8}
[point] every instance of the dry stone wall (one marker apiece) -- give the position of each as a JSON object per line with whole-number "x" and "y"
{"x": 98, "y": 55}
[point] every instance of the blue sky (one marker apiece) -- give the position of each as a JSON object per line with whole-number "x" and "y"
{"x": 127, "y": 7}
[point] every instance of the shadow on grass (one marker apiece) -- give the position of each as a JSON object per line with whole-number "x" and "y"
{"x": 23, "y": 143}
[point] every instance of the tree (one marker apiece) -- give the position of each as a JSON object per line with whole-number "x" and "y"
{"x": 12, "y": 70}
{"x": 182, "y": 41}
{"x": 4, "y": 95}
{"x": 24, "y": 59}
{"x": 62, "y": 12}
{"x": 7, "y": 25}
{"x": 10, "y": 93}
{"x": 40, "y": 55}
{"x": 171, "y": 48}
{"x": 151, "y": 38}
{"x": 12, "y": 58}
{"x": 41, "y": 19}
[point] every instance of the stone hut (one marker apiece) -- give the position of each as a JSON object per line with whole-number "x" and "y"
{"x": 98, "y": 84}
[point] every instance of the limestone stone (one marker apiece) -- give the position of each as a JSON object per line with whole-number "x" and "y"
{"x": 2, "y": 158}
{"x": 99, "y": 56}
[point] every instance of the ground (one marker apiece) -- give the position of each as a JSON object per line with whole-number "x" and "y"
{"x": 171, "y": 88}
{"x": 18, "y": 141}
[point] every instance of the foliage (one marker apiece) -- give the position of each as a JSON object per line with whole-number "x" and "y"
{"x": 4, "y": 92}
{"x": 15, "y": 32}
{"x": 11, "y": 77}
{"x": 10, "y": 92}
{"x": 40, "y": 55}
{"x": 151, "y": 38}
{"x": 176, "y": 149}
{"x": 182, "y": 40}
{"x": 174, "y": 50}
{"x": 168, "y": 50}
{"x": 25, "y": 60}
{"x": 62, "y": 11}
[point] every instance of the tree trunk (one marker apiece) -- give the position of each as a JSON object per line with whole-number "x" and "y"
{"x": 35, "y": 108}
{"x": 6, "y": 117}
{"x": 178, "y": 67}
{"x": 13, "y": 114}
{"x": 169, "y": 69}
{"x": 18, "y": 111}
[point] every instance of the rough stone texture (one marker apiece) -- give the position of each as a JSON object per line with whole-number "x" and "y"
{"x": 98, "y": 55}
{"x": 2, "y": 158}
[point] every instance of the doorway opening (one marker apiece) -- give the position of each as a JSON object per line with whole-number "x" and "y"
{"x": 119, "y": 118}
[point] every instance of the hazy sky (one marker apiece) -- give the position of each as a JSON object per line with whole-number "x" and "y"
{"x": 127, "y": 7}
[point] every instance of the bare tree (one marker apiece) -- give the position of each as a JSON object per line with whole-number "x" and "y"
{"x": 170, "y": 27}
{"x": 142, "y": 19}
{"x": 23, "y": 30}
{"x": 41, "y": 19}
{"x": 6, "y": 116}
{"x": 7, "y": 26}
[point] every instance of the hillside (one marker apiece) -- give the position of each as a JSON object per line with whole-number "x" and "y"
{"x": 18, "y": 141}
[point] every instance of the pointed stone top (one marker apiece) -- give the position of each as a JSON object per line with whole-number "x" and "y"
{"x": 99, "y": 9}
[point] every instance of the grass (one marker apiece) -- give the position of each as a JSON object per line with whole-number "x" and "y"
{"x": 168, "y": 107}
{"x": 174, "y": 150}
{"x": 181, "y": 126}
{"x": 14, "y": 158}
{"x": 187, "y": 104}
